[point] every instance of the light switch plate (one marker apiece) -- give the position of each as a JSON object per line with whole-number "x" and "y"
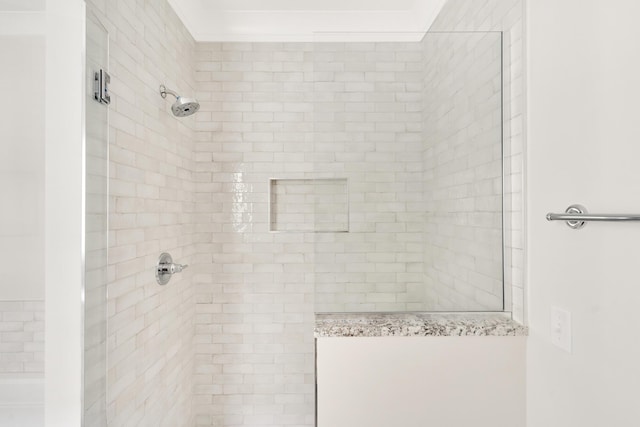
{"x": 561, "y": 328}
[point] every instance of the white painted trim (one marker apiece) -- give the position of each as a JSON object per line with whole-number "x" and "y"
{"x": 63, "y": 213}
{"x": 311, "y": 37}
{"x": 310, "y": 6}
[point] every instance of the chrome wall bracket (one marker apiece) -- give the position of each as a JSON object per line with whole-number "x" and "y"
{"x": 576, "y": 224}
{"x": 101, "y": 82}
{"x": 577, "y": 216}
{"x": 166, "y": 268}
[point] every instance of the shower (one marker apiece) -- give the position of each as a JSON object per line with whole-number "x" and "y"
{"x": 183, "y": 107}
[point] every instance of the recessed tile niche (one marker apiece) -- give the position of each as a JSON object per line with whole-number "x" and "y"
{"x": 309, "y": 205}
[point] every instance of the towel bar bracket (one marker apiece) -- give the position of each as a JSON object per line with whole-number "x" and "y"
{"x": 576, "y": 217}
{"x": 576, "y": 224}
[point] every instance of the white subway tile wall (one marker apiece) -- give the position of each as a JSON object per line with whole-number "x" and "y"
{"x": 152, "y": 206}
{"x": 21, "y": 337}
{"x": 255, "y": 313}
{"x": 505, "y": 16}
{"x": 259, "y": 121}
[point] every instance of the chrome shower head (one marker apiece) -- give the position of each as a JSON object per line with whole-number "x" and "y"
{"x": 183, "y": 107}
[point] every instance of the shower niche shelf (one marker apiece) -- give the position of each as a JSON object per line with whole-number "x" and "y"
{"x": 316, "y": 205}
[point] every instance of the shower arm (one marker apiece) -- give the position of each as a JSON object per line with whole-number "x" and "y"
{"x": 164, "y": 91}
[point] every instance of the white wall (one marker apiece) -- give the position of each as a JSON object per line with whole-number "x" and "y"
{"x": 22, "y": 5}
{"x": 22, "y": 145}
{"x": 583, "y": 147}
{"x": 22, "y": 166}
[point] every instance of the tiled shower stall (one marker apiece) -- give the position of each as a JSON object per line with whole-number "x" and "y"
{"x": 317, "y": 177}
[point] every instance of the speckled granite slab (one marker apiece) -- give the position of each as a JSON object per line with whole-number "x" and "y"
{"x": 416, "y": 325}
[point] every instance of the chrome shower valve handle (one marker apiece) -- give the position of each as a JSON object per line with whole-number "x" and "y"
{"x": 171, "y": 268}
{"x": 166, "y": 268}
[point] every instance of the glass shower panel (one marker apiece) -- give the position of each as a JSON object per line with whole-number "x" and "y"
{"x": 368, "y": 133}
{"x": 463, "y": 234}
{"x": 96, "y": 230}
{"x": 410, "y": 135}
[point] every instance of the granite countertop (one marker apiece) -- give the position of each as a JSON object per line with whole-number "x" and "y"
{"x": 416, "y": 325}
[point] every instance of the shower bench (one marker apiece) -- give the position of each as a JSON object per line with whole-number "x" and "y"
{"x": 416, "y": 370}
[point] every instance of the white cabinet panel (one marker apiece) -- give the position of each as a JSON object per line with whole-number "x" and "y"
{"x": 421, "y": 382}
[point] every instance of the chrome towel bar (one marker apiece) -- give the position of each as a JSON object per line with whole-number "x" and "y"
{"x": 577, "y": 216}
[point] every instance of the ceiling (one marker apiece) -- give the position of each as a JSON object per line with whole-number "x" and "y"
{"x": 307, "y": 20}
